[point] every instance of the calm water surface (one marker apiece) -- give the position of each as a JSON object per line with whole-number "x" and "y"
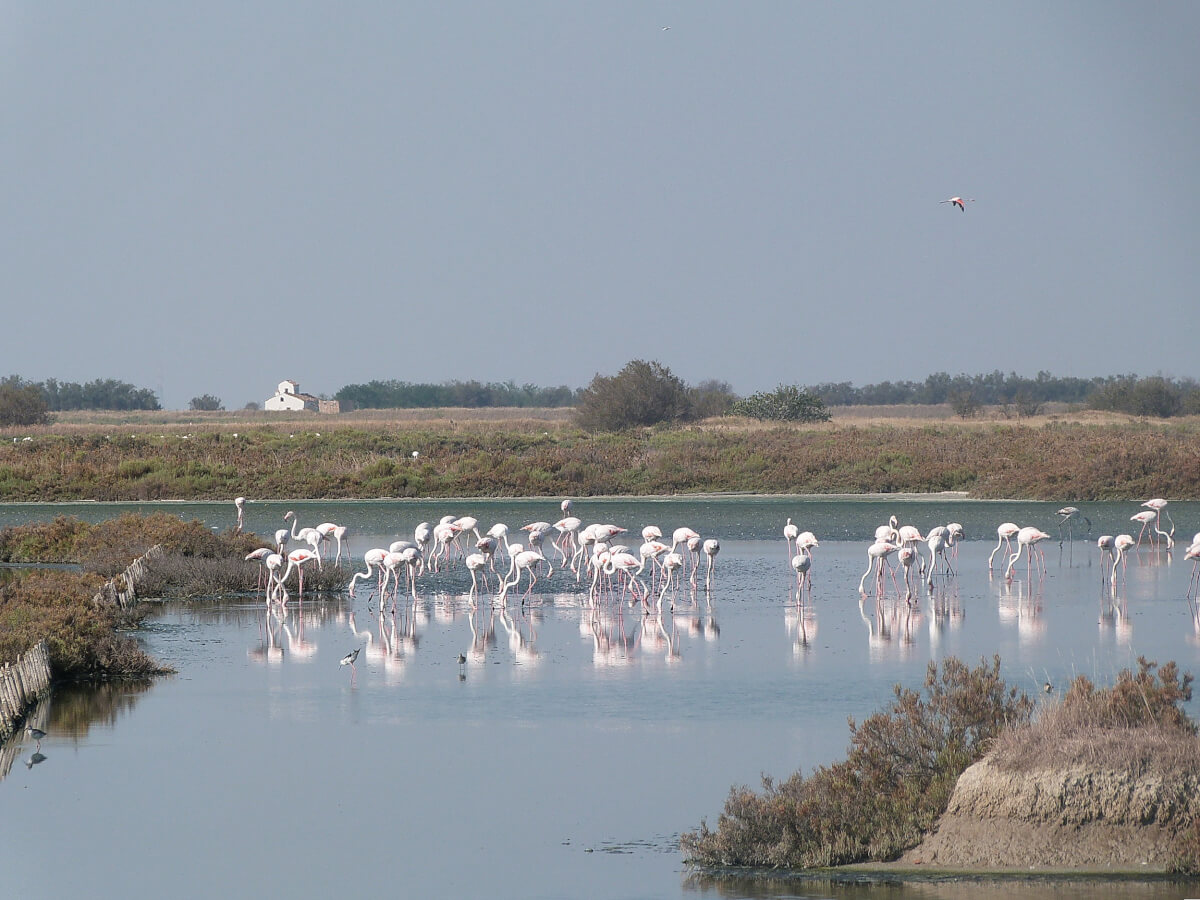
{"x": 567, "y": 755}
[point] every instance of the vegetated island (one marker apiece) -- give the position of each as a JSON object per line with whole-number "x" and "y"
{"x": 484, "y": 453}
{"x": 88, "y": 636}
{"x": 974, "y": 777}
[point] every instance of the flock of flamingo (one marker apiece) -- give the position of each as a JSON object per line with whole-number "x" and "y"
{"x": 594, "y": 554}
{"x": 588, "y": 552}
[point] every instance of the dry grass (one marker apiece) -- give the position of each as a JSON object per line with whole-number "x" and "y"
{"x": 1137, "y": 725}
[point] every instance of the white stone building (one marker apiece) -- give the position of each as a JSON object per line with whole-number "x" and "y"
{"x": 288, "y": 398}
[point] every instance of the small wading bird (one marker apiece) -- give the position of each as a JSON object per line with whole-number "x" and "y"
{"x": 349, "y": 659}
{"x": 958, "y": 201}
{"x": 1067, "y": 515}
{"x": 35, "y": 734}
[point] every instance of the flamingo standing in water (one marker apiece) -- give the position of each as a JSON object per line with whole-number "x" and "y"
{"x": 240, "y": 504}
{"x": 1159, "y": 506}
{"x": 1027, "y": 540}
{"x": 259, "y": 556}
{"x": 1193, "y": 553}
{"x": 297, "y": 560}
{"x": 1067, "y": 515}
{"x": 790, "y": 532}
{"x": 1106, "y": 545}
{"x": 711, "y": 548}
{"x": 374, "y": 562}
{"x": 877, "y": 555}
{"x": 1007, "y": 531}
{"x": 477, "y": 563}
{"x": 802, "y": 566}
{"x": 1124, "y": 543}
{"x": 1147, "y": 518}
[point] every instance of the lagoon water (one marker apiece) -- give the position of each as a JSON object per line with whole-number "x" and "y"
{"x": 571, "y": 750}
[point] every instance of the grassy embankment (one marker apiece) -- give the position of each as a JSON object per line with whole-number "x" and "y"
{"x": 370, "y": 456}
{"x": 903, "y": 765}
{"x": 85, "y": 639}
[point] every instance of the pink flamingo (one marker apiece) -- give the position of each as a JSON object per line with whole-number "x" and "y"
{"x": 802, "y": 566}
{"x": 958, "y": 201}
{"x": 1124, "y": 543}
{"x": 1007, "y": 531}
{"x": 711, "y": 548}
{"x": 877, "y": 555}
{"x": 298, "y": 559}
{"x": 240, "y": 504}
{"x": 1193, "y": 553}
{"x": 1027, "y": 539}
{"x": 259, "y": 556}
{"x": 477, "y": 563}
{"x": 374, "y": 562}
{"x": 523, "y": 561}
{"x": 1106, "y": 545}
{"x": 790, "y": 532}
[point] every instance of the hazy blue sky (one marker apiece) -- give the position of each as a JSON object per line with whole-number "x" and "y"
{"x": 212, "y": 197}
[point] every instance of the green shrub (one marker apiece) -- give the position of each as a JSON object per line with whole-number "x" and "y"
{"x": 787, "y": 403}
{"x": 642, "y": 393}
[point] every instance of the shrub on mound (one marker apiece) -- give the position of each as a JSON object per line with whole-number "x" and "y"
{"x": 901, "y": 769}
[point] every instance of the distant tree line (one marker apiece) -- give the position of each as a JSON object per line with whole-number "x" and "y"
{"x": 408, "y": 395}
{"x": 103, "y": 393}
{"x": 1154, "y": 396}
{"x": 29, "y": 402}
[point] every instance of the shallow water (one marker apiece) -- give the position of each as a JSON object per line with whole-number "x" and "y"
{"x": 572, "y": 748}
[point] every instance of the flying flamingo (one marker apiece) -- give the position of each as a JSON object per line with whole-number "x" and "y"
{"x": 958, "y": 201}
{"x": 1007, "y": 531}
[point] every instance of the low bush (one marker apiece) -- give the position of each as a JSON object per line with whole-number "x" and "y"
{"x": 902, "y": 766}
{"x": 1136, "y": 725}
{"x": 83, "y": 639}
{"x": 787, "y": 403}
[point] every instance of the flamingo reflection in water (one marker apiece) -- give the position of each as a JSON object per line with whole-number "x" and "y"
{"x": 800, "y": 618}
{"x": 947, "y": 612}
{"x": 523, "y": 648}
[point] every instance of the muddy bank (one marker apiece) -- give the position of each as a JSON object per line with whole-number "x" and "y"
{"x": 1062, "y": 819}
